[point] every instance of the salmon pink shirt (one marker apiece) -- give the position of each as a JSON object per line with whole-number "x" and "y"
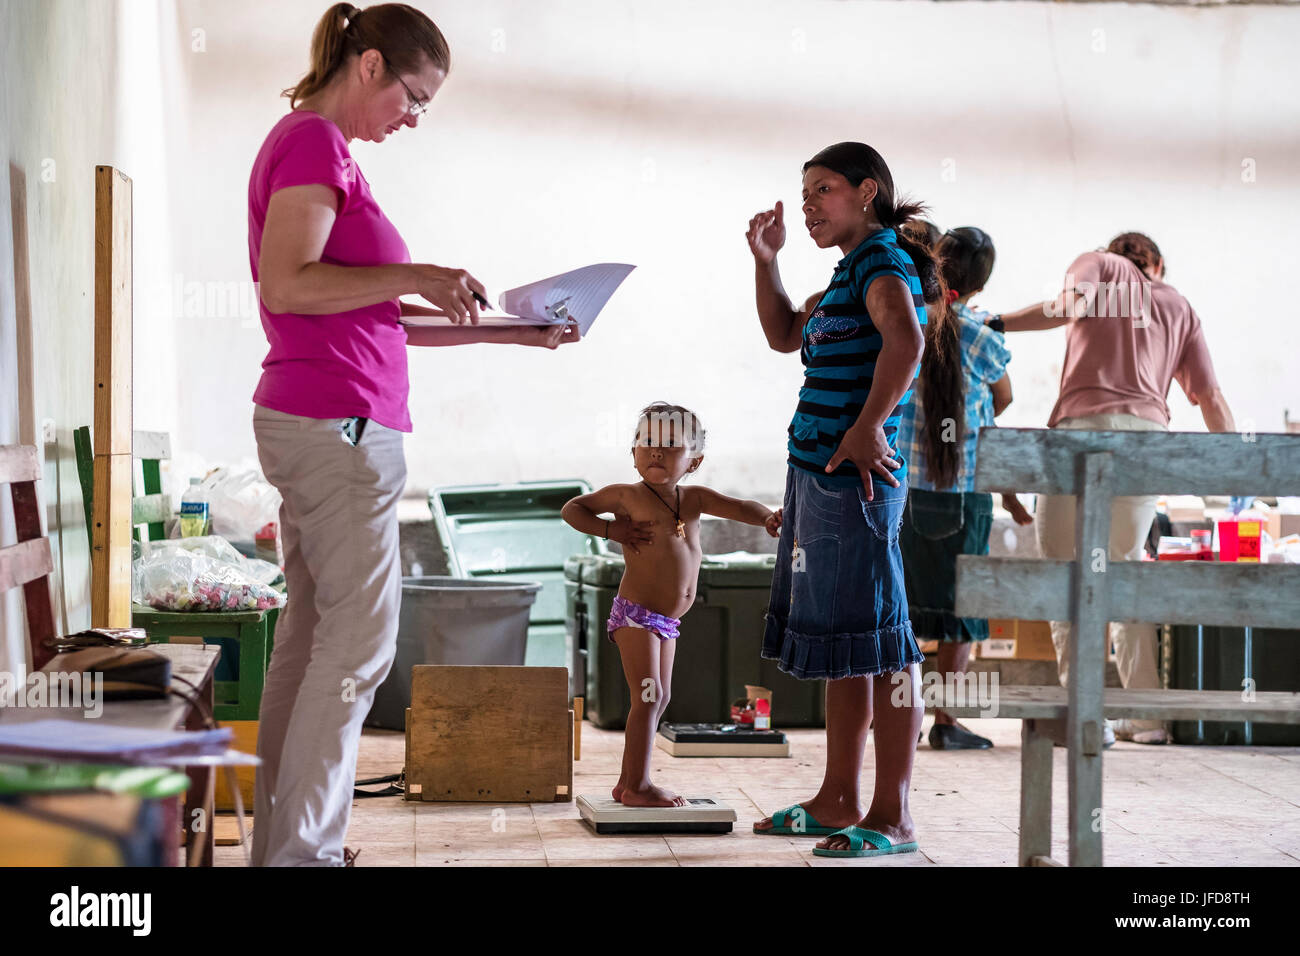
{"x": 343, "y": 364}
{"x": 1138, "y": 335}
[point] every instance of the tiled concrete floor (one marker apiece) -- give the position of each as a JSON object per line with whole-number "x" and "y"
{"x": 1166, "y": 806}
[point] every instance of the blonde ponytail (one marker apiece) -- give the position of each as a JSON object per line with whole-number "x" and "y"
{"x": 403, "y": 35}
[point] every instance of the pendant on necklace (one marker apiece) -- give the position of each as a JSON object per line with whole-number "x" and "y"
{"x": 681, "y": 529}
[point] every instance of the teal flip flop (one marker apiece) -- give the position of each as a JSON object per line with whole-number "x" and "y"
{"x": 858, "y": 838}
{"x": 810, "y": 825}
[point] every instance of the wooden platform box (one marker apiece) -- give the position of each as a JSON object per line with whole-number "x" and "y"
{"x": 489, "y": 734}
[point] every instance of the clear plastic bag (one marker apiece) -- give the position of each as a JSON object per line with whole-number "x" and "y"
{"x": 240, "y": 502}
{"x": 219, "y": 549}
{"x": 181, "y": 579}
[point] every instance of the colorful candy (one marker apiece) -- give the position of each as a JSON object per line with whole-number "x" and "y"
{"x": 180, "y": 580}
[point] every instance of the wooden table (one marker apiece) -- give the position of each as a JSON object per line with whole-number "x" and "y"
{"x": 195, "y": 663}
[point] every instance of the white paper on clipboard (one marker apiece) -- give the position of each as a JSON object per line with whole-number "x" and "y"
{"x": 580, "y": 295}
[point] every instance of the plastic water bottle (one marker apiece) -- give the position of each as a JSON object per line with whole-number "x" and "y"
{"x": 195, "y": 517}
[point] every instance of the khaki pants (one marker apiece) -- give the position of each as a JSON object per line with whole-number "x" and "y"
{"x": 1130, "y": 523}
{"x": 336, "y": 638}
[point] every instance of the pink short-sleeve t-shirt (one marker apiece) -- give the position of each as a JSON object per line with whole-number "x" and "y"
{"x": 1137, "y": 336}
{"x": 342, "y": 364}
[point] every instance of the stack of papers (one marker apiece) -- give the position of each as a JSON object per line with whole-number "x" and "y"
{"x": 579, "y": 295}
{"x": 89, "y": 741}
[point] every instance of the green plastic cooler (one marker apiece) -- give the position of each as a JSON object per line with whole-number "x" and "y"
{"x": 718, "y": 652}
{"x": 1226, "y": 658}
{"x": 515, "y": 531}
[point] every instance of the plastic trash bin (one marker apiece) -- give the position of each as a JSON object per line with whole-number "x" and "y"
{"x": 718, "y": 652}
{"x": 515, "y": 531}
{"x": 447, "y": 620}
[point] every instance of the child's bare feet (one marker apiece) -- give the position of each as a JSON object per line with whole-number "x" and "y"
{"x": 827, "y": 812}
{"x": 650, "y": 796}
{"x": 898, "y": 832}
{"x": 617, "y": 792}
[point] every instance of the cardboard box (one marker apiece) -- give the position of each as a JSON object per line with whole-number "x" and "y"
{"x": 1185, "y": 508}
{"x": 1012, "y": 639}
{"x": 1280, "y": 525}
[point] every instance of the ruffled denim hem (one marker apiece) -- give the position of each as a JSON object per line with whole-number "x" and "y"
{"x": 834, "y": 656}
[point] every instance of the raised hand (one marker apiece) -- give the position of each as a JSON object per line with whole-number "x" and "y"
{"x": 451, "y": 290}
{"x": 766, "y": 233}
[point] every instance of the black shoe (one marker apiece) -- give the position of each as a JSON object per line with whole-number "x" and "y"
{"x": 952, "y": 737}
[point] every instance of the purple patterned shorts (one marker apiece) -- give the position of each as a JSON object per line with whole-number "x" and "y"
{"x": 625, "y": 613}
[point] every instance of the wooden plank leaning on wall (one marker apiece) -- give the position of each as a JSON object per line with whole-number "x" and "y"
{"x": 110, "y": 560}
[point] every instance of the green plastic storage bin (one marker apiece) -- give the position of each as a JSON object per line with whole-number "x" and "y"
{"x": 718, "y": 652}
{"x": 515, "y": 531}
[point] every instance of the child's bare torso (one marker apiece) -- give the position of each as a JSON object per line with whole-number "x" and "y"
{"x": 664, "y": 575}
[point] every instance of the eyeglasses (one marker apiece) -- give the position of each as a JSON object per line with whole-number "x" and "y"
{"x": 416, "y": 108}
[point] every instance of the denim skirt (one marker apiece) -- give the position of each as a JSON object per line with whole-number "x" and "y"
{"x": 938, "y": 526}
{"x": 839, "y": 603}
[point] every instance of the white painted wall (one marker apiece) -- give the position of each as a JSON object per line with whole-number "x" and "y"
{"x": 613, "y": 130}
{"x": 56, "y": 122}
{"x": 650, "y": 132}
{"x": 84, "y": 83}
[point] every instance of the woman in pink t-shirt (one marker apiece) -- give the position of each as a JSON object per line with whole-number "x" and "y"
{"x": 330, "y": 408}
{"x": 1129, "y": 335}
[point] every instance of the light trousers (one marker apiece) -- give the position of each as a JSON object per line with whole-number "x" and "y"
{"x": 1130, "y": 523}
{"x": 336, "y": 637}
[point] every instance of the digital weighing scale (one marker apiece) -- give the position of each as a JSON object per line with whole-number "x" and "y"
{"x": 606, "y": 815}
{"x": 720, "y": 740}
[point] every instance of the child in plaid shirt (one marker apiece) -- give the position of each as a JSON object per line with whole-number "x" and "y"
{"x": 938, "y": 433}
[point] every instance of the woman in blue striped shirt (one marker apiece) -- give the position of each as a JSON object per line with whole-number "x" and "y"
{"x": 839, "y": 607}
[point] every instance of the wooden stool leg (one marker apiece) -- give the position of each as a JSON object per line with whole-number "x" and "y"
{"x": 199, "y": 798}
{"x": 1035, "y": 792}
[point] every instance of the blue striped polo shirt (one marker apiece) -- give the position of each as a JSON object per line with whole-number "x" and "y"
{"x": 839, "y": 351}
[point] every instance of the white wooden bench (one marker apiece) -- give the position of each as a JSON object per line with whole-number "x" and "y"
{"x": 1091, "y": 591}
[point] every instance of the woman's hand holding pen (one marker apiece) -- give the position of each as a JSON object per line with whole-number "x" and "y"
{"x": 766, "y": 233}
{"x": 549, "y": 336}
{"x": 454, "y": 291}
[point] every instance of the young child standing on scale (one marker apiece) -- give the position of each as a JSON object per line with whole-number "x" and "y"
{"x": 658, "y": 524}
